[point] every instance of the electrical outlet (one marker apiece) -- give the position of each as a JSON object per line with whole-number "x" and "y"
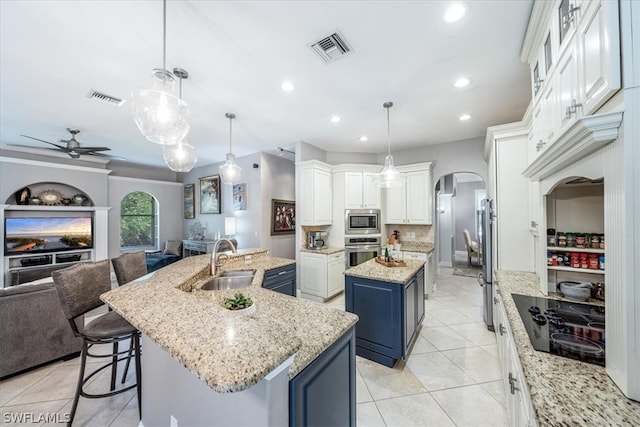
{"x": 413, "y": 234}
{"x": 174, "y": 421}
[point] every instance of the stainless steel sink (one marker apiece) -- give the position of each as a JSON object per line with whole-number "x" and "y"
{"x": 244, "y": 273}
{"x": 229, "y": 280}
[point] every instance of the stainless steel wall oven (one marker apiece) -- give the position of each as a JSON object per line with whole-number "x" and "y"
{"x": 359, "y": 249}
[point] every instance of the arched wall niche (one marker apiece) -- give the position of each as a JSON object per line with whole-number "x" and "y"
{"x": 60, "y": 194}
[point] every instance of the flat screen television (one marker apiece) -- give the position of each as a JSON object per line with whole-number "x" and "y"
{"x": 47, "y": 234}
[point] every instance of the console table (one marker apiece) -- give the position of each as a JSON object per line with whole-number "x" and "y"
{"x": 197, "y": 247}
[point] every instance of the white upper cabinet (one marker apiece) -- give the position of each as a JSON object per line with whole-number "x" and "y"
{"x": 315, "y": 193}
{"x": 573, "y": 49}
{"x": 412, "y": 203}
{"x": 599, "y": 59}
{"x": 361, "y": 191}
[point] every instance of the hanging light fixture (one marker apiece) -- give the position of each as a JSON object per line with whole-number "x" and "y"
{"x": 180, "y": 157}
{"x": 160, "y": 115}
{"x": 390, "y": 176}
{"x": 230, "y": 171}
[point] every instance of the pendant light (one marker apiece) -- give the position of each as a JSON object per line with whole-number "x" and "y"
{"x": 230, "y": 171}
{"x": 161, "y": 116}
{"x": 390, "y": 176}
{"x": 180, "y": 157}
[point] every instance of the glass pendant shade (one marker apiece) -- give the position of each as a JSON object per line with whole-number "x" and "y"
{"x": 230, "y": 172}
{"x": 390, "y": 177}
{"x": 161, "y": 116}
{"x": 180, "y": 157}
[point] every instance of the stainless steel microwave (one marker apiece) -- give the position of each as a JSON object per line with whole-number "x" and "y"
{"x": 362, "y": 221}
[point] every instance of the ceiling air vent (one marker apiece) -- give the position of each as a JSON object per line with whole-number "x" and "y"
{"x": 103, "y": 97}
{"x": 332, "y": 47}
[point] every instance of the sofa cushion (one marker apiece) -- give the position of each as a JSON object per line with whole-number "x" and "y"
{"x": 39, "y": 331}
{"x": 172, "y": 247}
{"x": 155, "y": 262}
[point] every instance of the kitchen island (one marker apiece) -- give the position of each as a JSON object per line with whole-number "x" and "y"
{"x": 562, "y": 391}
{"x": 204, "y": 365}
{"x": 390, "y": 304}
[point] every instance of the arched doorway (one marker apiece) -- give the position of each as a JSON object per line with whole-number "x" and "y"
{"x": 458, "y": 198}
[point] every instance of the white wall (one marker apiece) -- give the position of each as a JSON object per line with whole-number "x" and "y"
{"x": 278, "y": 182}
{"x": 247, "y": 222}
{"x": 451, "y": 157}
{"x": 169, "y": 197}
{"x": 16, "y": 174}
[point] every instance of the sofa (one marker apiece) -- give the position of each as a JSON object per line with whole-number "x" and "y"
{"x": 33, "y": 328}
{"x": 171, "y": 253}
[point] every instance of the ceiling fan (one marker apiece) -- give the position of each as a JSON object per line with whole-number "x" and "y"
{"x": 73, "y": 147}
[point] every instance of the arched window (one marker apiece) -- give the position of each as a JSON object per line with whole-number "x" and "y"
{"x": 139, "y": 221}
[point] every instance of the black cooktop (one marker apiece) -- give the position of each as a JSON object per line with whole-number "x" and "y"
{"x": 568, "y": 329}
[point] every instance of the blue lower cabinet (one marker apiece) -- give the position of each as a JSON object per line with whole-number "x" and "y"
{"x": 390, "y": 315}
{"x": 281, "y": 280}
{"x": 324, "y": 393}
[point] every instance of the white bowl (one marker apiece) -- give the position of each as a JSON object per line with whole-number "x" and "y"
{"x": 579, "y": 291}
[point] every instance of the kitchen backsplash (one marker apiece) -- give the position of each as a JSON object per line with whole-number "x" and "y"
{"x": 410, "y": 233}
{"x": 307, "y": 229}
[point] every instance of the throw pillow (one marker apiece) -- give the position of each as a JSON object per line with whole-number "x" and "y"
{"x": 172, "y": 247}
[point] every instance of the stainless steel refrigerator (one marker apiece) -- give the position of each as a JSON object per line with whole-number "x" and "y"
{"x": 485, "y": 278}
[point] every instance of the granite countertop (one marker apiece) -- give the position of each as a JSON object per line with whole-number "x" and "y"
{"x": 563, "y": 391}
{"x": 373, "y": 270}
{"x": 326, "y": 251}
{"x": 416, "y": 246}
{"x": 226, "y": 350}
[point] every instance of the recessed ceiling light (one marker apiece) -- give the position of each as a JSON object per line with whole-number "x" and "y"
{"x": 462, "y": 82}
{"x": 363, "y": 139}
{"x": 465, "y": 117}
{"x": 287, "y": 86}
{"x": 454, "y": 12}
{"x": 335, "y": 119}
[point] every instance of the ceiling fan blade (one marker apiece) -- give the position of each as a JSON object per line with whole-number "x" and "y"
{"x": 46, "y": 142}
{"x": 83, "y": 148}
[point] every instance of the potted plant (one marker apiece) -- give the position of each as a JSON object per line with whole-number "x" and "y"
{"x": 240, "y": 304}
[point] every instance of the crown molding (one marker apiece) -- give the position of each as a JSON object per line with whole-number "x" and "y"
{"x": 587, "y": 135}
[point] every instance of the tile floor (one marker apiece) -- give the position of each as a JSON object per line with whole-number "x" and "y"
{"x": 451, "y": 378}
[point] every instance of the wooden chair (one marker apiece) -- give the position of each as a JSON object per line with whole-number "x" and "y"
{"x": 472, "y": 247}
{"x": 79, "y": 288}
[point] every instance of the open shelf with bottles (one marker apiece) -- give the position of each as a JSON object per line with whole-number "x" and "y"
{"x": 575, "y": 204}
{"x": 579, "y": 250}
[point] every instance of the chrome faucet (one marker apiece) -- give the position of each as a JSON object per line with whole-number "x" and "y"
{"x": 214, "y": 258}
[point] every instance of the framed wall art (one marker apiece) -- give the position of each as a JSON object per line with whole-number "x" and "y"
{"x": 189, "y": 206}
{"x": 240, "y": 197}
{"x": 210, "y": 197}
{"x": 283, "y": 217}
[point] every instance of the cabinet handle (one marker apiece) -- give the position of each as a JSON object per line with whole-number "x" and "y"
{"x": 572, "y": 109}
{"x": 512, "y": 384}
{"x": 502, "y": 329}
{"x": 282, "y": 272}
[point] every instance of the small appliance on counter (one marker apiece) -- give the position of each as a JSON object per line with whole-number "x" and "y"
{"x": 317, "y": 240}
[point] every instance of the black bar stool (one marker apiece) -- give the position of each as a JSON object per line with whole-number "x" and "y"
{"x": 79, "y": 288}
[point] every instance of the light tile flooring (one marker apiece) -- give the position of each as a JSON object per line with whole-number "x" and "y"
{"x": 451, "y": 378}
